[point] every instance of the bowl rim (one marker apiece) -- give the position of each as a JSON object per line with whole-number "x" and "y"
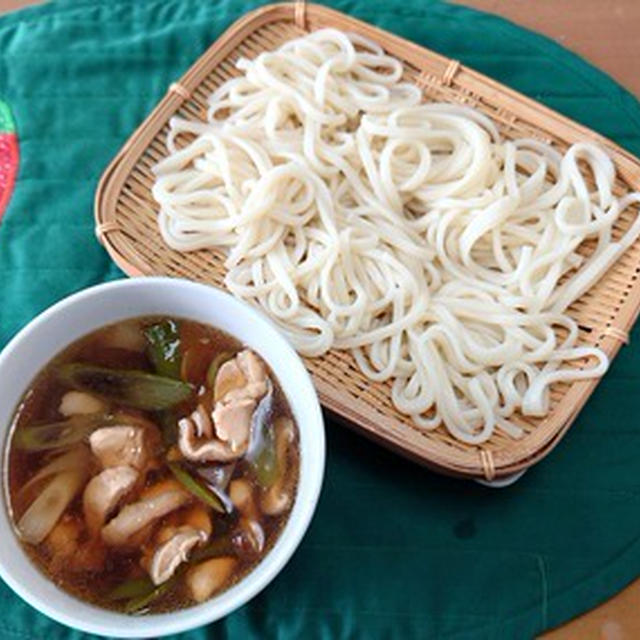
{"x": 154, "y": 625}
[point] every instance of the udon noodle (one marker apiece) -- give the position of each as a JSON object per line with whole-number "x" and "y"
{"x": 442, "y": 255}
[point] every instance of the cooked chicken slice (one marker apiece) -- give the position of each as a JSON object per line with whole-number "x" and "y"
{"x": 134, "y": 517}
{"x": 120, "y": 445}
{"x": 233, "y": 410}
{"x": 202, "y": 421}
{"x": 255, "y": 372}
{"x": 76, "y": 403}
{"x": 228, "y": 378}
{"x": 233, "y": 422}
{"x": 195, "y": 517}
{"x": 208, "y": 577}
{"x": 202, "y": 449}
{"x": 243, "y": 377}
{"x": 239, "y": 384}
{"x": 103, "y": 492}
{"x": 170, "y": 554}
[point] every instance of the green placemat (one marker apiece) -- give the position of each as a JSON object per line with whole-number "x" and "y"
{"x": 394, "y": 551}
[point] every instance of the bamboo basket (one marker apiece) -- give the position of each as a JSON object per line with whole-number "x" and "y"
{"x": 126, "y": 224}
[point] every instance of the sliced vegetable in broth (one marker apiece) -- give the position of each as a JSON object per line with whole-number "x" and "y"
{"x": 134, "y": 588}
{"x": 145, "y": 465}
{"x": 58, "y": 435}
{"x": 136, "y": 389}
{"x": 195, "y": 487}
{"x": 164, "y": 347}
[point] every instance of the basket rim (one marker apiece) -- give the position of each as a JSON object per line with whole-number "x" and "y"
{"x": 469, "y": 461}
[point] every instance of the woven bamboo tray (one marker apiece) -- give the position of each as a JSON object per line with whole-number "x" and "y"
{"x": 126, "y": 224}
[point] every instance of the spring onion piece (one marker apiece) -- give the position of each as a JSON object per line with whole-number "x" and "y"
{"x": 260, "y": 423}
{"x": 261, "y": 453}
{"x": 265, "y": 465}
{"x": 44, "y": 512}
{"x": 164, "y": 348}
{"x": 217, "y": 479}
{"x": 134, "y": 588}
{"x": 136, "y": 389}
{"x": 222, "y": 496}
{"x": 138, "y": 603}
{"x": 58, "y": 435}
{"x": 196, "y": 488}
{"x": 168, "y": 424}
{"x": 75, "y": 457}
{"x": 215, "y": 365}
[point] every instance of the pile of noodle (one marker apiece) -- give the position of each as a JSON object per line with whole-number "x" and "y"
{"x": 443, "y": 256}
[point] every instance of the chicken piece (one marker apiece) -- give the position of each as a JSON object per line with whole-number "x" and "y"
{"x": 234, "y": 408}
{"x": 210, "y": 576}
{"x": 146, "y": 537}
{"x": 233, "y": 423}
{"x": 228, "y": 378}
{"x": 202, "y": 420}
{"x": 120, "y": 445}
{"x": 193, "y": 518}
{"x": 103, "y": 493}
{"x": 202, "y": 449}
{"x": 239, "y": 384}
{"x": 255, "y": 373}
{"x": 173, "y": 552}
{"x": 134, "y": 517}
{"x": 78, "y": 403}
{"x": 243, "y": 377}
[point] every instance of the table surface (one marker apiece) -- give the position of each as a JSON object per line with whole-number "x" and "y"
{"x": 605, "y": 34}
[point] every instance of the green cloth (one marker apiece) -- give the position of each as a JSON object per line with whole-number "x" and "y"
{"x": 394, "y": 551}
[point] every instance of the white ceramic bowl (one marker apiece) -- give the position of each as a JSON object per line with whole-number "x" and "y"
{"x": 92, "y": 308}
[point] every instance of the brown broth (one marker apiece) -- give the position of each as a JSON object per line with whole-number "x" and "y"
{"x": 40, "y": 404}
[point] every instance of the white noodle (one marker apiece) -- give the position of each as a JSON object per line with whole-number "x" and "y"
{"x": 412, "y": 234}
